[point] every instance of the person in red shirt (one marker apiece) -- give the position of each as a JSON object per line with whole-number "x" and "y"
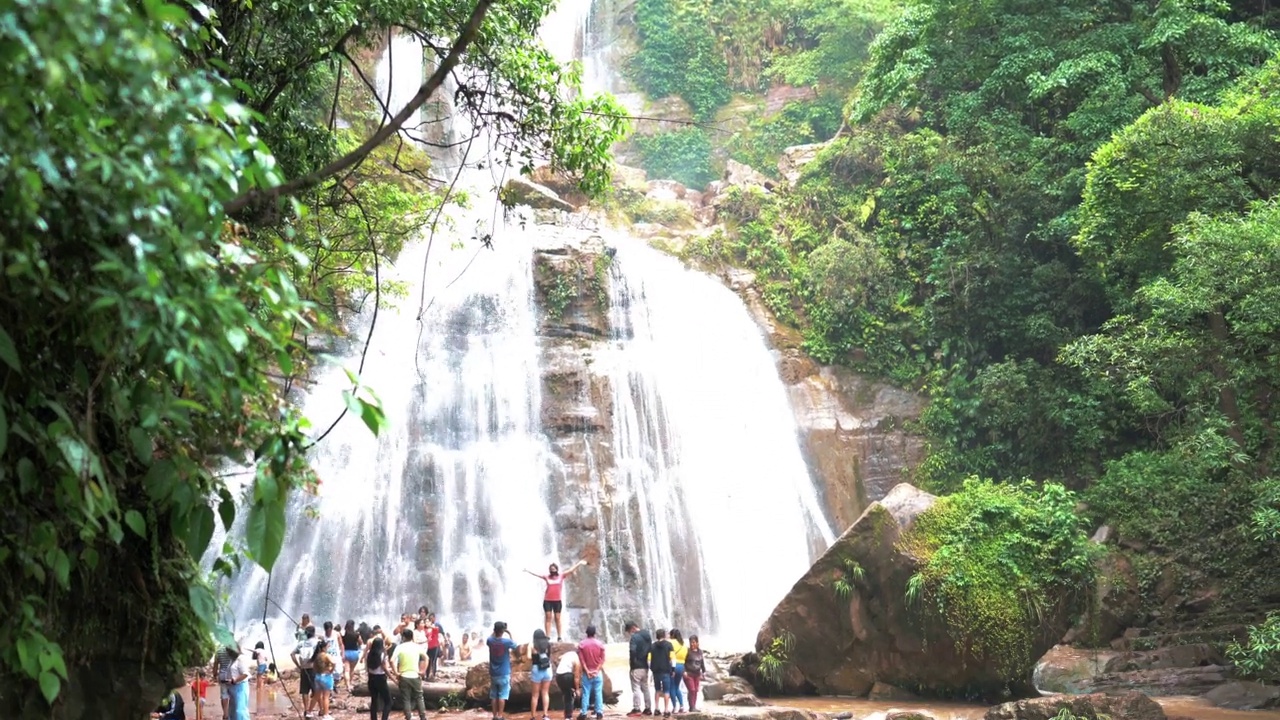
{"x": 198, "y": 688}
{"x": 553, "y": 597}
{"x": 591, "y": 655}
{"x": 434, "y": 634}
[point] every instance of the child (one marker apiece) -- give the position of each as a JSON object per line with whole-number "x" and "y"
{"x": 198, "y": 688}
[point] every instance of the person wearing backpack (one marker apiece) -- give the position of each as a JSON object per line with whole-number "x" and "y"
{"x": 540, "y": 657}
{"x": 304, "y": 657}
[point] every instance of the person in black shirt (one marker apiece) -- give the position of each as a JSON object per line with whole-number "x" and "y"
{"x": 660, "y": 666}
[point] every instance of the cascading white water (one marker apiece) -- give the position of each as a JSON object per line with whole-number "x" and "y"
{"x": 710, "y": 492}
{"x": 706, "y": 502}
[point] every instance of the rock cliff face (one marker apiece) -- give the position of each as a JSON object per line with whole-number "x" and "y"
{"x": 570, "y": 273}
{"x": 854, "y": 428}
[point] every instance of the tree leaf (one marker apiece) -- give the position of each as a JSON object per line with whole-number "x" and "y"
{"x": 142, "y": 447}
{"x": 4, "y": 430}
{"x": 8, "y": 353}
{"x": 199, "y": 530}
{"x": 227, "y": 509}
{"x": 265, "y": 532}
{"x": 50, "y": 686}
{"x": 136, "y": 523}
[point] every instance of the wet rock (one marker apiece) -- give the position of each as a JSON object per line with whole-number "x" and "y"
{"x": 885, "y": 691}
{"x": 1177, "y": 656}
{"x": 561, "y": 184}
{"x": 1066, "y": 669}
{"x": 846, "y": 715}
{"x": 477, "y": 683}
{"x": 765, "y": 712}
{"x": 791, "y": 163}
{"x": 1118, "y": 601}
{"x": 882, "y": 638}
{"x": 731, "y": 685}
{"x": 908, "y": 715}
{"x": 742, "y": 175}
{"x": 665, "y": 190}
{"x": 741, "y": 700}
{"x": 1163, "y": 681}
{"x": 522, "y": 191}
{"x": 1129, "y": 706}
{"x": 1244, "y": 696}
{"x": 777, "y": 97}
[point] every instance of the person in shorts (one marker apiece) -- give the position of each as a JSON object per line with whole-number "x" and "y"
{"x": 304, "y": 657}
{"x": 553, "y": 595}
{"x": 661, "y": 669}
{"x": 500, "y": 647}
{"x": 540, "y": 673}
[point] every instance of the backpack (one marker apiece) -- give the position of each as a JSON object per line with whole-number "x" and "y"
{"x": 306, "y": 651}
{"x": 541, "y": 659}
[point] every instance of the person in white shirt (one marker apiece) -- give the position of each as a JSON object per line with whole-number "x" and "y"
{"x": 569, "y": 680}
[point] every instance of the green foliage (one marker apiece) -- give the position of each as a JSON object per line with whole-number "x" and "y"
{"x": 846, "y": 577}
{"x": 682, "y": 155}
{"x": 1258, "y": 657}
{"x": 776, "y": 660}
{"x": 997, "y": 561}
{"x": 678, "y": 55}
{"x": 147, "y": 342}
{"x": 762, "y": 142}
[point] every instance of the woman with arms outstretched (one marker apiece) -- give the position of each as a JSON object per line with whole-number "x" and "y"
{"x": 553, "y": 597}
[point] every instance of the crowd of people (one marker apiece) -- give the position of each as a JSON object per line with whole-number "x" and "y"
{"x": 410, "y": 653}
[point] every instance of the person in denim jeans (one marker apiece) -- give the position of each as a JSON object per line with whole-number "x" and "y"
{"x": 591, "y": 656}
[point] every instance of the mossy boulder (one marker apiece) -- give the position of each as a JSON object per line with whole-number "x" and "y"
{"x": 877, "y": 608}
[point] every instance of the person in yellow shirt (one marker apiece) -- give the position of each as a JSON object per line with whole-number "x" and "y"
{"x": 678, "y": 654}
{"x": 408, "y": 663}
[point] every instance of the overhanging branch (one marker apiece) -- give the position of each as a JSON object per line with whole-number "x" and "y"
{"x": 428, "y": 88}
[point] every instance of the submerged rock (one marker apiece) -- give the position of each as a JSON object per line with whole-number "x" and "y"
{"x": 741, "y": 700}
{"x": 729, "y": 686}
{"x": 1129, "y": 706}
{"x": 1244, "y": 696}
{"x": 843, "y": 643}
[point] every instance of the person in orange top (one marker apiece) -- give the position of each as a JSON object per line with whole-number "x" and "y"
{"x": 552, "y": 597}
{"x": 198, "y": 688}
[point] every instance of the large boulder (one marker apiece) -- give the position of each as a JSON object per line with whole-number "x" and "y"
{"x": 729, "y": 686}
{"x": 1127, "y": 706}
{"x": 477, "y": 686}
{"x": 792, "y": 161}
{"x": 843, "y": 643}
{"x": 523, "y": 191}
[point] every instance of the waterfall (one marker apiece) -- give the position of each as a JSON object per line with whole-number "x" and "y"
{"x": 718, "y": 506}
{"x": 705, "y": 513}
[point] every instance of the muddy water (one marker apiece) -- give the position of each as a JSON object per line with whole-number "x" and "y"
{"x": 1187, "y": 707}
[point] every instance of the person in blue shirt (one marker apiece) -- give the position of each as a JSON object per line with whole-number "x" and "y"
{"x": 500, "y": 647}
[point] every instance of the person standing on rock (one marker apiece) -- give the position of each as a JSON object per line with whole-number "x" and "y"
{"x": 540, "y": 674}
{"x": 660, "y": 666}
{"x": 591, "y": 656}
{"x": 639, "y": 662}
{"x": 500, "y": 647}
{"x": 694, "y": 666}
{"x": 569, "y": 680}
{"x": 553, "y": 596}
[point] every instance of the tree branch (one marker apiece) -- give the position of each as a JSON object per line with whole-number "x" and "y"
{"x": 428, "y": 88}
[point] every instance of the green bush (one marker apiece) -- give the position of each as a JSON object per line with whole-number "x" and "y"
{"x": 1259, "y": 656}
{"x": 678, "y": 55}
{"x": 681, "y": 155}
{"x": 996, "y": 561}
